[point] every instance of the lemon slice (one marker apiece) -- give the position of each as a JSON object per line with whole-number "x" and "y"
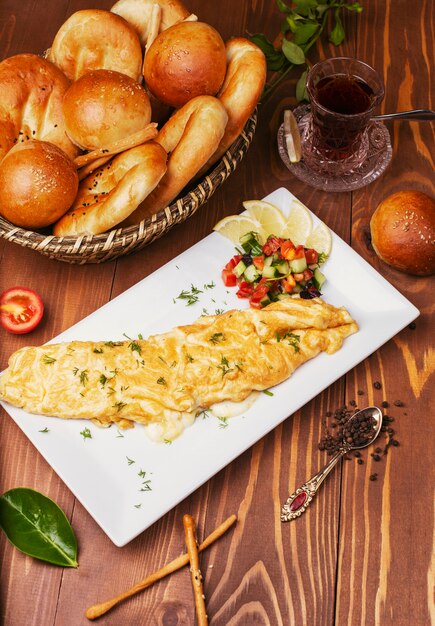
{"x": 320, "y": 239}
{"x": 299, "y": 223}
{"x": 270, "y": 218}
{"x": 235, "y": 226}
{"x": 292, "y": 137}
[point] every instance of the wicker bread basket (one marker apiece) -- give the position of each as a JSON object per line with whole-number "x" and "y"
{"x": 117, "y": 242}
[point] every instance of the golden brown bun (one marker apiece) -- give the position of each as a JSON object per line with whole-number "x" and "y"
{"x": 112, "y": 192}
{"x": 241, "y": 90}
{"x": 38, "y": 184}
{"x": 185, "y": 61}
{"x": 94, "y": 39}
{"x": 138, "y": 13}
{"x": 104, "y": 106}
{"x": 403, "y": 232}
{"x": 190, "y": 136}
{"x": 31, "y": 93}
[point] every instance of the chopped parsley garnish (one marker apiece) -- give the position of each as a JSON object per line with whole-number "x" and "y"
{"x": 162, "y": 359}
{"x": 146, "y": 485}
{"x": 292, "y": 339}
{"x": 224, "y": 366}
{"x": 44, "y": 430}
{"x": 267, "y": 392}
{"x": 48, "y": 360}
{"x": 219, "y": 311}
{"x": 130, "y": 461}
{"x": 86, "y": 433}
{"x": 119, "y": 435}
{"x": 75, "y": 371}
{"x": 137, "y": 506}
{"x": 190, "y": 296}
{"x": 84, "y": 377}
{"x": 119, "y": 406}
{"x": 161, "y": 381}
{"x": 322, "y": 258}
{"x": 223, "y": 422}
{"x": 210, "y": 285}
{"x": 135, "y": 347}
{"x": 217, "y": 337}
{"x": 189, "y": 358}
{"x": 167, "y": 441}
{"x": 141, "y": 473}
{"x": 140, "y": 337}
{"x": 98, "y": 350}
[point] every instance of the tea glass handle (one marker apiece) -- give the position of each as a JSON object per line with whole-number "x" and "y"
{"x": 298, "y": 502}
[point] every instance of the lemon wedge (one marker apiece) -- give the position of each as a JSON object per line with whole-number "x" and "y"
{"x": 270, "y": 218}
{"x": 299, "y": 223}
{"x": 235, "y": 226}
{"x": 320, "y": 239}
{"x": 292, "y": 137}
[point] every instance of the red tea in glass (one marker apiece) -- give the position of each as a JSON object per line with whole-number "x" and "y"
{"x": 343, "y": 95}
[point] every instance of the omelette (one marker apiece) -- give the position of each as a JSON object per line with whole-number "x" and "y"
{"x": 171, "y": 377}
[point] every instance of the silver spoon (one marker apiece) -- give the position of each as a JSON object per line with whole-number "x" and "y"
{"x": 298, "y": 502}
{"x": 418, "y": 115}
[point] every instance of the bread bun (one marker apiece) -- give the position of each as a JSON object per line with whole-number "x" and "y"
{"x": 138, "y": 13}
{"x": 96, "y": 39}
{"x": 185, "y": 61}
{"x": 104, "y": 106}
{"x": 38, "y": 184}
{"x": 31, "y": 93}
{"x": 403, "y": 232}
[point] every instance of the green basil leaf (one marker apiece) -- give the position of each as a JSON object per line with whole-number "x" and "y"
{"x": 301, "y": 87}
{"x": 353, "y": 7}
{"x": 304, "y": 32}
{"x": 36, "y": 526}
{"x": 304, "y": 6}
{"x": 275, "y": 59}
{"x": 283, "y": 7}
{"x": 293, "y": 53}
{"x": 337, "y": 33}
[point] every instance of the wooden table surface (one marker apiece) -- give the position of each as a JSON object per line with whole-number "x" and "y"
{"x": 361, "y": 555}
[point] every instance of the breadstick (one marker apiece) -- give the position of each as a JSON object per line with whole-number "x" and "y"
{"x": 136, "y": 139}
{"x": 192, "y": 551}
{"x": 154, "y": 26}
{"x": 100, "y": 609}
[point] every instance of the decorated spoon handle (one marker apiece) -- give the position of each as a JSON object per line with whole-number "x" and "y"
{"x": 298, "y": 502}
{"x": 416, "y": 115}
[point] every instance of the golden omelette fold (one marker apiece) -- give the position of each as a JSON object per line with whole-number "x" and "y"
{"x": 222, "y": 357}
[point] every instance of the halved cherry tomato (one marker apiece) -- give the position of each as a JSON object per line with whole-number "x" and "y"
{"x": 230, "y": 279}
{"x": 21, "y": 310}
{"x": 311, "y": 255}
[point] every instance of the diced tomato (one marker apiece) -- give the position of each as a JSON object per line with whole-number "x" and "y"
{"x": 258, "y": 261}
{"x": 298, "y": 277}
{"x": 308, "y": 274}
{"x": 272, "y": 245}
{"x": 21, "y": 310}
{"x": 245, "y": 290}
{"x": 230, "y": 279}
{"x": 299, "y": 252}
{"x": 311, "y": 255}
{"x": 233, "y": 262}
{"x": 288, "y": 283}
{"x": 288, "y": 250}
{"x": 260, "y": 291}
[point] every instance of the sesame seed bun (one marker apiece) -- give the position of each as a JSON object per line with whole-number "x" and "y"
{"x": 38, "y": 184}
{"x": 403, "y": 232}
{"x": 104, "y": 106}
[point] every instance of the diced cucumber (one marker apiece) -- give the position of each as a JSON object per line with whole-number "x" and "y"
{"x": 283, "y": 296}
{"x": 298, "y": 266}
{"x": 313, "y": 266}
{"x": 283, "y": 267}
{"x": 251, "y": 273}
{"x": 250, "y": 244}
{"x": 265, "y": 301}
{"x": 268, "y": 260}
{"x": 318, "y": 278}
{"x": 269, "y": 271}
{"x": 239, "y": 269}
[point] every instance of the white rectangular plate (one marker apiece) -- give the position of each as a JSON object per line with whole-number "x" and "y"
{"x": 109, "y": 471}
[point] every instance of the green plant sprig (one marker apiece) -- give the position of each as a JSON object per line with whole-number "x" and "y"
{"x": 304, "y": 23}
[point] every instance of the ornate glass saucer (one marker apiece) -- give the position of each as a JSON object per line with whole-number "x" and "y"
{"x": 378, "y": 152}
